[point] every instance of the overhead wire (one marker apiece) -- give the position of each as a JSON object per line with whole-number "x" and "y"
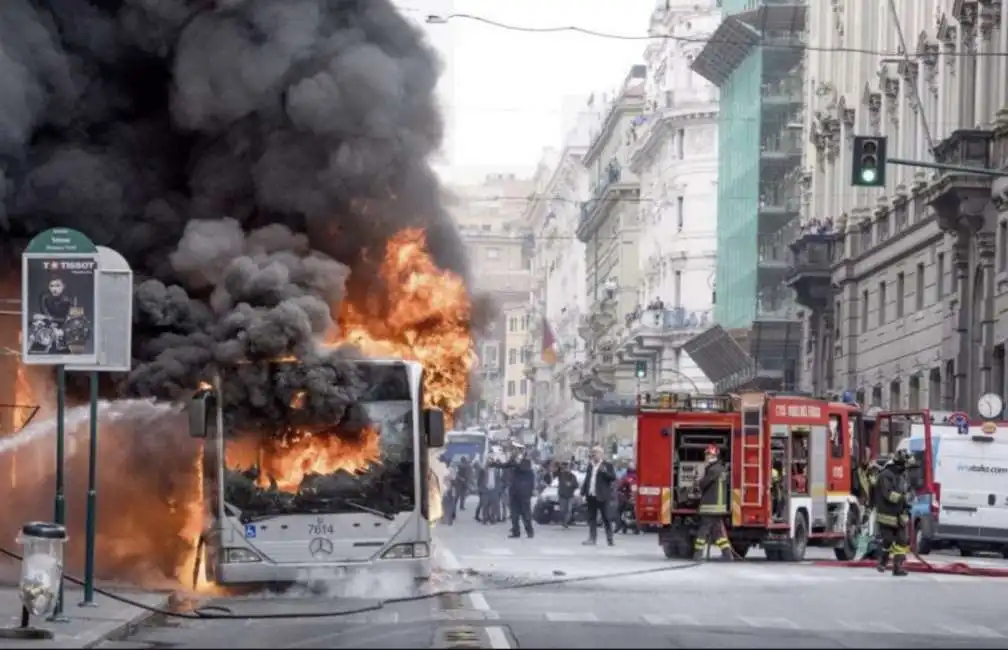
{"x": 555, "y": 29}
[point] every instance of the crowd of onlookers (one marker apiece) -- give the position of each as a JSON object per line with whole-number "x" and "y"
{"x": 505, "y": 488}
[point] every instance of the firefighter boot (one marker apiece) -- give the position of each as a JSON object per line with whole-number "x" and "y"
{"x": 698, "y": 552}
{"x": 883, "y": 560}
{"x": 897, "y": 566}
{"x": 726, "y": 550}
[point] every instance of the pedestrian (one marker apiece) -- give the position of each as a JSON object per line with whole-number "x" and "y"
{"x": 488, "y": 483}
{"x": 479, "y": 474}
{"x": 597, "y": 491}
{"x": 521, "y": 490}
{"x": 713, "y": 486}
{"x": 449, "y": 500}
{"x": 567, "y": 486}
{"x": 462, "y": 477}
{"x": 892, "y": 504}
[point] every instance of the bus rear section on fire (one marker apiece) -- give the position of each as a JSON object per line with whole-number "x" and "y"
{"x": 306, "y": 508}
{"x": 807, "y": 444}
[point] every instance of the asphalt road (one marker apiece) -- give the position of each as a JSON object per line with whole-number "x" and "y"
{"x": 551, "y": 591}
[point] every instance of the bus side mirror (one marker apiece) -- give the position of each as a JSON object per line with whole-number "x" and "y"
{"x": 202, "y": 418}
{"x": 435, "y": 427}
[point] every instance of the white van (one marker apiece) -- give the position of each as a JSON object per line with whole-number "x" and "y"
{"x": 969, "y": 509}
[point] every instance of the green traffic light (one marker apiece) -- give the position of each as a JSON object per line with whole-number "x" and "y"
{"x": 868, "y": 176}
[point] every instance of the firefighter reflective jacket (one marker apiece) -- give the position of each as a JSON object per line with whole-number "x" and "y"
{"x": 714, "y": 490}
{"x": 890, "y": 497}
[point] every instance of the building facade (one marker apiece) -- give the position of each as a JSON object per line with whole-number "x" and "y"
{"x": 906, "y": 285}
{"x": 558, "y": 299}
{"x": 489, "y": 216}
{"x": 674, "y": 153}
{"x": 608, "y": 226}
{"x": 756, "y": 58}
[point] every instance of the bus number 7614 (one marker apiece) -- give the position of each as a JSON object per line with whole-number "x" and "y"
{"x": 320, "y": 528}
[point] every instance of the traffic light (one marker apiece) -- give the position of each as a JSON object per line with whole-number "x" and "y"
{"x": 640, "y": 369}
{"x": 869, "y": 161}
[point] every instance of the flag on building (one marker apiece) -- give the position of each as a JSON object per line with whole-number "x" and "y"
{"x": 549, "y": 348}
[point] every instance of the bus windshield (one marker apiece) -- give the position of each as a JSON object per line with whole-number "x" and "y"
{"x": 365, "y": 463}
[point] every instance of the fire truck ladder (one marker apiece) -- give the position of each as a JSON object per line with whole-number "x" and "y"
{"x": 752, "y": 472}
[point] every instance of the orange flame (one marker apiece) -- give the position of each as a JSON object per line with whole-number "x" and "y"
{"x": 424, "y": 316}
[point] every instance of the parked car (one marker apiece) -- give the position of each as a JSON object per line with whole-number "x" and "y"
{"x": 545, "y": 510}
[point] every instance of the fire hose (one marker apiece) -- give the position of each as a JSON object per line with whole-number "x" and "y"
{"x": 223, "y": 613}
{"x": 920, "y": 565}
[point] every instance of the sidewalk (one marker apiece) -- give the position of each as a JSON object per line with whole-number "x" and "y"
{"x": 87, "y": 626}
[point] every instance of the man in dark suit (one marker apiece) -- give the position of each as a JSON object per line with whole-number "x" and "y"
{"x": 597, "y": 491}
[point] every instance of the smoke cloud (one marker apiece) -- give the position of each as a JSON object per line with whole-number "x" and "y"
{"x": 248, "y": 157}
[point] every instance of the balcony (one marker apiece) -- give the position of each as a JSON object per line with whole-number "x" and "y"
{"x": 650, "y": 330}
{"x": 777, "y": 208}
{"x": 615, "y": 184}
{"x": 960, "y": 197}
{"x": 781, "y": 151}
{"x": 810, "y": 272}
{"x": 782, "y": 95}
{"x": 772, "y": 251}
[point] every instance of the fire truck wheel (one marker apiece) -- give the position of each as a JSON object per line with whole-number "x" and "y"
{"x": 794, "y": 550}
{"x": 922, "y": 545}
{"x": 848, "y": 547}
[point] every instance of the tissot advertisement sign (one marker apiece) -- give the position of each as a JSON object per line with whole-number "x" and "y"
{"x": 60, "y": 294}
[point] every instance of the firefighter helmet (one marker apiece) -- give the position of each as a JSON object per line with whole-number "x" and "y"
{"x": 901, "y": 457}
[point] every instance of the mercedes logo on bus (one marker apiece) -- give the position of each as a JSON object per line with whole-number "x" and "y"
{"x": 320, "y": 546}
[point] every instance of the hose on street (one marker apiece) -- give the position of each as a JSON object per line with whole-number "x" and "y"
{"x": 220, "y": 612}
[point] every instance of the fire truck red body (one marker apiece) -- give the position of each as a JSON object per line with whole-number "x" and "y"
{"x": 790, "y": 458}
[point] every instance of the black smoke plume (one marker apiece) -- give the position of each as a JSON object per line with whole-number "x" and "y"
{"x": 243, "y": 155}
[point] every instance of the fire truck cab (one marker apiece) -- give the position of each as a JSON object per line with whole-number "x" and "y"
{"x": 790, "y": 459}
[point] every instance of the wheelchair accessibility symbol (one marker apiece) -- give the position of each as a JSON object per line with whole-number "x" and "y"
{"x": 250, "y": 531}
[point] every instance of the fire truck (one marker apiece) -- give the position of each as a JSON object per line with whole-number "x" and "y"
{"x": 790, "y": 459}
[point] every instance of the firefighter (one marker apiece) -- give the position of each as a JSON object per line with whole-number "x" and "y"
{"x": 892, "y": 505}
{"x": 713, "y": 487}
{"x": 777, "y": 489}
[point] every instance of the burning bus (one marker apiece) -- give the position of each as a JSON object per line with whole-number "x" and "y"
{"x": 315, "y": 499}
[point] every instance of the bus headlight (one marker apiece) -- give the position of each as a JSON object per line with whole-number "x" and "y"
{"x": 407, "y": 551}
{"x": 239, "y": 556}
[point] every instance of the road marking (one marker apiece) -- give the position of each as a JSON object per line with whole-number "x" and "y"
{"x": 775, "y": 623}
{"x": 879, "y": 626}
{"x": 498, "y": 638}
{"x": 479, "y": 602}
{"x": 670, "y": 619}
{"x": 971, "y": 630}
{"x": 448, "y": 559}
{"x": 498, "y": 551}
{"x": 571, "y": 617}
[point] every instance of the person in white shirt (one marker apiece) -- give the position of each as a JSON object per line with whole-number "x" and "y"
{"x": 597, "y": 491}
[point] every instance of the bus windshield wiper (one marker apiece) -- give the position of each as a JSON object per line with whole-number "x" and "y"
{"x": 248, "y": 518}
{"x": 381, "y": 513}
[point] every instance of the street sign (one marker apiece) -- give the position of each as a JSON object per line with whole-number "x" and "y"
{"x": 59, "y": 298}
{"x": 115, "y": 309}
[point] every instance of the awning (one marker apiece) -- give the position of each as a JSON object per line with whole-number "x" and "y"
{"x": 764, "y": 357}
{"x": 725, "y": 50}
{"x": 718, "y": 355}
